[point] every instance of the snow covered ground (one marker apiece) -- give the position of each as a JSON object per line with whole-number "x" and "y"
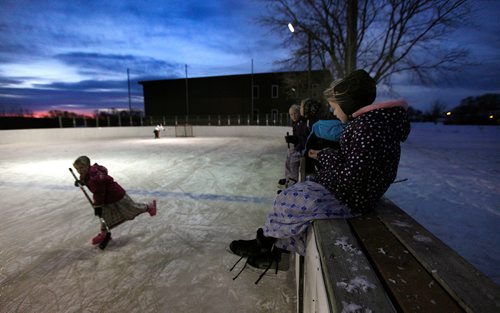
{"x": 210, "y": 191}
{"x": 453, "y": 188}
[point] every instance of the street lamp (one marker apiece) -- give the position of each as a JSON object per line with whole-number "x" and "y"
{"x": 309, "y": 57}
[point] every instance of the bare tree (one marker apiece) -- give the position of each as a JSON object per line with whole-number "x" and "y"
{"x": 392, "y": 36}
{"x": 436, "y": 111}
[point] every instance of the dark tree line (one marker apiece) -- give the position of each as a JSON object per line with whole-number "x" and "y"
{"x": 484, "y": 110}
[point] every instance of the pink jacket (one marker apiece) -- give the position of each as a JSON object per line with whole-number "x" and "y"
{"x": 103, "y": 187}
{"x": 381, "y": 105}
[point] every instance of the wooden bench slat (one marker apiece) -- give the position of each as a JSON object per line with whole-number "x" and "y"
{"x": 470, "y": 288}
{"x": 348, "y": 275}
{"x": 412, "y": 287}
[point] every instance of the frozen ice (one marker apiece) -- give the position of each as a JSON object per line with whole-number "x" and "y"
{"x": 209, "y": 190}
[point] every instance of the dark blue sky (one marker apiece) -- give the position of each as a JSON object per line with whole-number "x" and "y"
{"x": 73, "y": 55}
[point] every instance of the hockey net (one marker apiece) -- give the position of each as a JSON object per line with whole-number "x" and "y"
{"x": 185, "y": 130}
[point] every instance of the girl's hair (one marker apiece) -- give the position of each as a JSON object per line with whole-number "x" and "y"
{"x": 294, "y": 108}
{"x": 82, "y": 160}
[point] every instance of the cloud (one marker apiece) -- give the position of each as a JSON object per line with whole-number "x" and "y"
{"x": 78, "y": 52}
{"x": 105, "y": 65}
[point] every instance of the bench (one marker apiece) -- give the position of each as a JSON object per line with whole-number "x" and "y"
{"x": 385, "y": 261}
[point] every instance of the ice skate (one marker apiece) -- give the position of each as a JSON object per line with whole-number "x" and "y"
{"x": 276, "y": 258}
{"x": 100, "y": 238}
{"x": 247, "y": 248}
{"x": 152, "y": 208}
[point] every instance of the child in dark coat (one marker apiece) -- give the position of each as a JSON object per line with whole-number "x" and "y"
{"x": 300, "y": 131}
{"x": 111, "y": 202}
{"x": 350, "y": 180}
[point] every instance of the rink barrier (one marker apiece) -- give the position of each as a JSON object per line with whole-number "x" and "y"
{"x": 140, "y": 132}
{"x": 385, "y": 261}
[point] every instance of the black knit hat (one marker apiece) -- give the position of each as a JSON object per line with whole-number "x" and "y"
{"x": 312, "y": 108}
{"x": 353, "y": 92}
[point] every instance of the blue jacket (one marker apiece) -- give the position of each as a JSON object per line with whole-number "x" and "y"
{"x": 328, "y": 129}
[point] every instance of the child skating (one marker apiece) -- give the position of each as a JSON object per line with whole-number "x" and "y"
{"x": 110, "y": 201}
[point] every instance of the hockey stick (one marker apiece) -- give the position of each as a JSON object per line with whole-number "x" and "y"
{"x": 106, "y": 240}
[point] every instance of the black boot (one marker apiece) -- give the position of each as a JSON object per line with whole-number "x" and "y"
{"x": 271, "y": 258}
{"x": 247, "y": 248}
{"x": 268, "y": 260}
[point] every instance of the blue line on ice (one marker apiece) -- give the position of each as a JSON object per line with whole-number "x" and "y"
{"x": 202, "y": 196}
{"x": 157, "y": 193}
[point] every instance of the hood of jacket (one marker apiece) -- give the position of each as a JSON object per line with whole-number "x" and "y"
{"x": 392, "y": 114}
{"x": 98, "y": 170}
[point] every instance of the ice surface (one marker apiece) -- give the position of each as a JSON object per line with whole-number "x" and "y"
{"x": 209, "y": 191}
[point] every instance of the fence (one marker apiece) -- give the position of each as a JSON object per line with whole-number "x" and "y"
{"x": 279, "y": 119}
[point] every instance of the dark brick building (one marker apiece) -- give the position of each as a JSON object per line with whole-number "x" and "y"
{"x": 272, "y": 93}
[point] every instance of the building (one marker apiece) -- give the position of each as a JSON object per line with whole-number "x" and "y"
{"x": 247, "y": 95}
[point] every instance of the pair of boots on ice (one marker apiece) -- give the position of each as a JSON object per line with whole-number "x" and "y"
{"x": 260, "y": 253}
{"x": 151, "y": 209}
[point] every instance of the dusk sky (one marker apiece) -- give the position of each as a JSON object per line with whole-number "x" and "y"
{"x": 73, "y": 55}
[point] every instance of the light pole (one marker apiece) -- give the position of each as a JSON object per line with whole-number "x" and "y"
{"x": 309, "y": 57}
{"x": 187, "y": 93}
{"x": 129, "y": 101}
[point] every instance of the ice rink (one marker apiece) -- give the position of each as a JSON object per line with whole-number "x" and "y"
{"x": 209, "y": 192}
{"x": 211, "y": 189}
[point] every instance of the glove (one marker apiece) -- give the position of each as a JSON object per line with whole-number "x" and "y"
{"x": 292, "y": 139}
{"x": 78, "y": 183}
{"x": 98, "y": 211}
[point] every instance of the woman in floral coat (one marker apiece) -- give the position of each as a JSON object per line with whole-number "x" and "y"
{"x": 350, "y": 181}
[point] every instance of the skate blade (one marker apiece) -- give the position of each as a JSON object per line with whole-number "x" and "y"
{"x": 283, "y": 265}
{"x": 105, "y": 242}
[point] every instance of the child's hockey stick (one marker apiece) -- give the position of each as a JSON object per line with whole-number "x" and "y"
{"x": 106, "y": 240}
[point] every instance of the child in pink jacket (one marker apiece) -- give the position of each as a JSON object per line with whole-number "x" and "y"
{"x": 111, "y": 202}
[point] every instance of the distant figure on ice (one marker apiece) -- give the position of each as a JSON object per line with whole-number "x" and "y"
{"x": 351, "y": 180}
{"x": 111, "y": 202}
{"x": 158, "y": 128}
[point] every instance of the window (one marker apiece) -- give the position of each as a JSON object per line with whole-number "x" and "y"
{"x": 274, "y": 91}
{"x": 256, "y": 91}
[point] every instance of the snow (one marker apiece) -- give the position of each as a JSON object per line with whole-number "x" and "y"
{"x": 343, "y": 243}
{"x": 354, "y": 308}
{"x": 209, "y": 191}
{"x": 358, "y": 284}
{"x": 453, "y": 188}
